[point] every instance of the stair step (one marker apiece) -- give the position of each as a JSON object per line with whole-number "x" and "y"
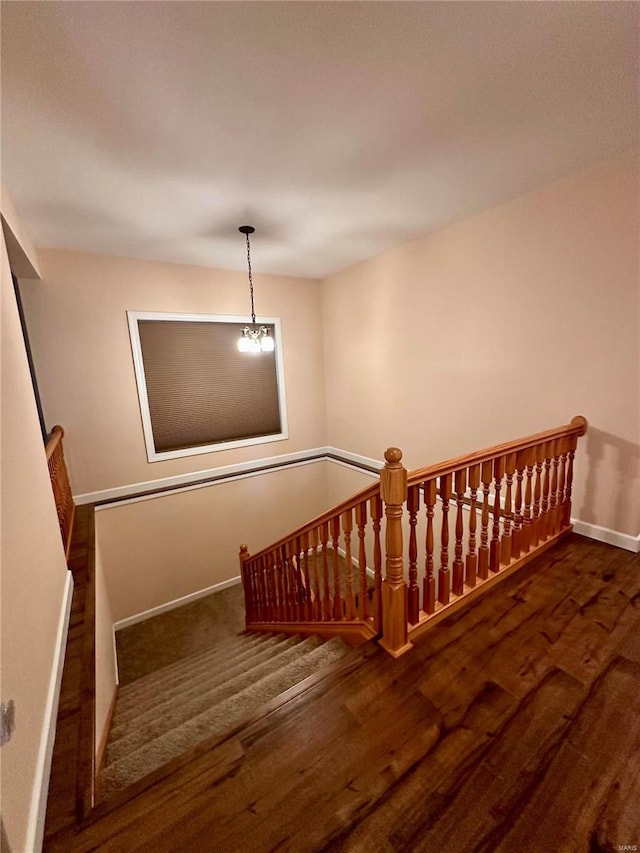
{"x": 202, "y": 687}
{"x": 138, "y": 762}
{"x": 174, "y": 713}
{"x": 141, "y": 685}
{"x": 143, "y": 694}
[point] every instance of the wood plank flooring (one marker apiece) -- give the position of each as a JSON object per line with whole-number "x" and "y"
{"x": 513, "y": 726}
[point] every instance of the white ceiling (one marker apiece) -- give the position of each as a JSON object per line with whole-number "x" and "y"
{"x": 338, "y": 129}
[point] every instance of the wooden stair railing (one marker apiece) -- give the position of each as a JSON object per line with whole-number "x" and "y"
{"x": 81, "y": 563}
{"x": 318, "y": 580}
{"x": 468, "y": 523}
{"x": 60, "y": 485}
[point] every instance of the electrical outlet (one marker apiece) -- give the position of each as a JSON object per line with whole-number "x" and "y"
{"x": 7, "y": 721}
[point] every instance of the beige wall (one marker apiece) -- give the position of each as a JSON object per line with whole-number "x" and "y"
{"x": 157, "y": 550}
{"x": 106, "y": 670}
{"x": 33, "y": 582}
{"x": 79, "y": 335}
{"x": 343, "y": 482}
{"x": 497, "y": 326}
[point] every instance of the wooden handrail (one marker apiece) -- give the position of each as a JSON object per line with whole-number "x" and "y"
{"x": 326, "y": 517}
{"x": 59, "y": 477}
{"x": 496, "y": 509}
{"x": 577, "y": 427}
{"x": 54, "y": 440}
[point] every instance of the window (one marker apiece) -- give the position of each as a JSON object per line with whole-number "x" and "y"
{"x": 197, "y": 392}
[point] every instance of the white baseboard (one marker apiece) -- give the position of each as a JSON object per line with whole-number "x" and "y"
{"x": 35, "y": 831}
{"x": 603, "y": 534}
{"x": 171, "y": 605}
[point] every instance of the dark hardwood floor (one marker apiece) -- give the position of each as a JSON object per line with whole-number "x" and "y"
{"x": 513, "y": 726}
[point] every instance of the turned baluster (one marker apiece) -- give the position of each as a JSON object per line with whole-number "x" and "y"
{"x": 527, "y": 526}
{"x": 375, "y": 505}
{"x": 552, "y": 527}
{"x": 460, "y": 479}
{"x": 494, "y": 546}
{"x": 253, "y": 612}
{"x": 306, "y": 575}
{"x": 270, "y": 603}
{"x": 265, "y": 608}
{"x": 483, "y": 556}
{"x": 429, "y": 584}
{"x": 335, "y": 543}
{"x": 361, "y": 522}
{"x": 54, "y": 466}
{"x": 413, "y": 593}
{"x": 347, "y": 527}
{"x": 292, "y": 580}
{"x": 537, "y": 491}
{"x": 562, "y": 482}
{"x": 298, "y": 583}
{"x": 546, "y": 479}
{"x": 566, "y": 515}
{"x": 516, "y": 544}
{"x": 67, "y": 503}
{"x": 253, "y": 579}
{"x": 286, "y": 584}
{"x": 471, "y": 569}
{"x": 295, "y": 587}
{"x": 256, "y": 591}
{"x": 54, "y": 474}
{"x": 444, "y": 577}
{"x": 393, "y": 490}
{"x": 278, "y": 570}
{"x": 301, "y": 589}
{"x": 505, "y": 548}
{"x": 267, "y": 605}
{"x": 266, "y": 612}
{"x": 275, "y": 587}
{"x": 314, "y": 540}
{"x": 249, "y": 610}
{"x": 324, "y": 542}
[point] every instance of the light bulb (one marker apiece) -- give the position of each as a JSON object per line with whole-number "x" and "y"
{"x": 243, "y": 344}
{"x": 267, "y": 343}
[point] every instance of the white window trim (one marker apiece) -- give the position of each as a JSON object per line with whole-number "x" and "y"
{"x": 152, "y": 454}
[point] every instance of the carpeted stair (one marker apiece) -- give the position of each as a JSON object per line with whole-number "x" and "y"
{"x": 163, "y": 714}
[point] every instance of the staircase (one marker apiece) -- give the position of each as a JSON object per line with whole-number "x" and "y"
{"x": 163, "y": 714}
{"x": 442, "y": 535}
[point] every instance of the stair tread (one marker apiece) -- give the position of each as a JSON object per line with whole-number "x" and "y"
{"x": 173, "y": 711}
{"x": 166, "y": 672}
{"x": 147, "y": 756}
{"x": 129, "y": 694}
{"x": 212, "y": 667}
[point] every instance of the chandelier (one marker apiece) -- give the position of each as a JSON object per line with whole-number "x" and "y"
{"x": 253, "y": 338}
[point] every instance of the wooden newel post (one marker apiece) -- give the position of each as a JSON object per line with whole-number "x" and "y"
{"x": 246, "y": 585}
{"x": 393, "y": 491}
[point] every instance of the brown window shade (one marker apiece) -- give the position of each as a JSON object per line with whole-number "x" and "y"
{"x": 201, "y": 390}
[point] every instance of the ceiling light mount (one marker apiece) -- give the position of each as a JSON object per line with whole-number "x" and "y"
{"x": 254, "y": 338}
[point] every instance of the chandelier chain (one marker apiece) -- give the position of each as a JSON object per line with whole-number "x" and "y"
{"x": 253, "y": 313}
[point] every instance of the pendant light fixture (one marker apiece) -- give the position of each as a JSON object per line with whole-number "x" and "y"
{"x": 254, "y": 338}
